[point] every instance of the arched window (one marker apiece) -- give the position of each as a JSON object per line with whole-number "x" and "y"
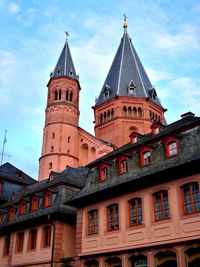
{"x": 139, "y": 112}
{"x": 71, "y": 97}
{"x": 68, "y": 139}
{"x": 22, "y": 207}
{"x": 112, "y": 113}
{"x": 135, "y": 211}
{"x": 55, "y": 95}
{"x": 165, "y": 259}
{"x": 104, "y": 116}
{"x": 101, "y": 117}
{"x": 108, "y": 114}
{"x": 161, "y": 205}
{"x": 129, "y": 111}
{"x": 138, "y": 261}
{"x": 34, "y": 203}
{"x": 124, "y": 111}
{"x": 91, "y": 263}
{"x": 193, "y": 257}
{"x": 67, "y": 95}
{"x": 50, "y": 165}
{"x": 48, "y": 200}
{"x": 93, "y": 222}
{"x": 191, "y": 198}
{"x": 52, "y": 148}
{"x": 113, "y": 217}
{"x": 134, "y": 112}
{"x": 59, "y": 94}
{"x": 53, "y": 135}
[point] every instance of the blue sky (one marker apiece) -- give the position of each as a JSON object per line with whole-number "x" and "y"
{"x": 165, "y": 33}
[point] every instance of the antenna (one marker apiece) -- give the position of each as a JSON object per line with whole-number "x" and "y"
{"x": 4, "y": 142}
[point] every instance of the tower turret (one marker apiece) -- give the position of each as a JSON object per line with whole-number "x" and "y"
{"x": 60, "y": 146}
{"x": 127, "y": 102}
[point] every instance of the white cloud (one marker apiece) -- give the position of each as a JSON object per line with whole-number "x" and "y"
{"x": 13, "y": 8}
{"x": 158, "y": 75}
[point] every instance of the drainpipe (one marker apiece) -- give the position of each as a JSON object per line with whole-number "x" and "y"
{"x": 53, "y": 241}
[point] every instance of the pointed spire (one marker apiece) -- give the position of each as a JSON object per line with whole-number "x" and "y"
{"x": 65, "y": 66}
{"x": 127, "y": 76}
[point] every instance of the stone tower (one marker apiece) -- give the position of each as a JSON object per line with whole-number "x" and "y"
{"x": 128, "y": 102}
{"x": 60, "y": 146}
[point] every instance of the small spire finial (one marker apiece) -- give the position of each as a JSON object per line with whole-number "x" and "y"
{"x": 125, "y": 23}
{"x": 67, "y": 35}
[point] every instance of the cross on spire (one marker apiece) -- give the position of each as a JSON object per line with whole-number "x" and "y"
{"x": 125, "y": 23}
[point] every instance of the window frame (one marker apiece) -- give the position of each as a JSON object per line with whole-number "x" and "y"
{"x": 192, "y": 198}
{"x": 113, "y": 217}
{"x": 34, "y": 200}
{"x": 48, "y": 201}
{"x": 143, "y": 150}
{"x": 122, "y": 164}
{"x": 32, "y": 240}
{"x": 167, "y": 142}
{"x": 47, "y": 236}
{"x": 11, "y": 214}
{"x": 138, "y": 217}
{"x": 93, "y": 222}
{"x": 19, "y": 245}
{"x": 103, "y": 172}
{"x": 162, "y": 210}
{"x": 22, "y": 207}
{"x": 133, "y": 138}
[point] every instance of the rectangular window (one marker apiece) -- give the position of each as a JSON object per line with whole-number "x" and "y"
{"x": 47, "y": 237}
{"x": 135, "y": 211}
{"x": 6, "y": 245}
{"x": 191, "y": 198}
{"x": 161, "y": 206}
{"x": 20, "y": 242}
{"x": 93, "y": 222}
{"x": 113, "y": 217}
{"x": 32, "y": 239}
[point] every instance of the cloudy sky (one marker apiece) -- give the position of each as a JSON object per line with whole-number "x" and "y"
{"x": 165, "y": 33}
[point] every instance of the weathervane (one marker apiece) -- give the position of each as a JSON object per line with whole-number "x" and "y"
{"x": 67, "y": 35}
{"x": 125, "y": 23}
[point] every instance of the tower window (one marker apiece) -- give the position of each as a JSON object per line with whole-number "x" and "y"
{"x": 131, "y": 88}
{"x": 50, "y": 165}
{"x": 59, "y": 94}
{"x": 53, "y": 135}
{"x": 106, "y": 92}
{"x": 52, "y": 148}
{"x": 71, "y": 97}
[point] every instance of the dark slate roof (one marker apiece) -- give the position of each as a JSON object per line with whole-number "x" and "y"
{"x": 11, "y": 173}
{"x": 65, "y": 66}
{"x": 127, "y": 68}
{"x": 185, "y": 163}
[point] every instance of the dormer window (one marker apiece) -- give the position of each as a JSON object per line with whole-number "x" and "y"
{"x": 106, "y": 92}
{"x": 171, "y": 146}
{"x": 1, "y": 217}
{"x": 11, "y": 214}
{"x": 34, "y": 203}
{"x": 152, "y": 93}
{"x": 22, "y": 207}
{"x": 131, "y": 88}
{"x": 133, "y": 137}
{"x": 123, "y": 164}
{"x": 103, "y": 172}
{"x": 48, "y": 200}
{"x": 145, "y": 156}
{"x": 13, "y": 196}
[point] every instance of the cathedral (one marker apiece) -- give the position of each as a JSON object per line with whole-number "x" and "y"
{"x": 126, "y": 197}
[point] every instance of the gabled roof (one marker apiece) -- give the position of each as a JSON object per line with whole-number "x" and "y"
{"x": 11, "y": 173}
{"x": 127, "y": 73}
{"x": 65, "y": 66}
